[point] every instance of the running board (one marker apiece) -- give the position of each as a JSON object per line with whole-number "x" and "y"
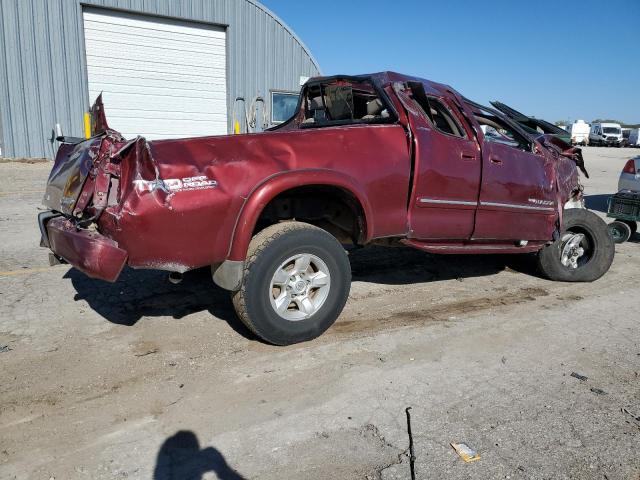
{"x": 473, "y": 247}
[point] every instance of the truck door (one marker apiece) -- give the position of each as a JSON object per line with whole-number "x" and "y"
{"x": 518, "y": 193}
{"x": 446, "y": 170}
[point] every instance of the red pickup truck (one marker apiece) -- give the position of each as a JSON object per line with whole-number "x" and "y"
{"x": 382, "y": 158}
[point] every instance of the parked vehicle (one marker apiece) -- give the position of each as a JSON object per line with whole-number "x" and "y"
{"x": 624, "y": 206}
{"x": 372, "y": 159}
{"x": 625, "y": 137}
{"x": 634, "y": 137}
{"x": 630, "y": 175}
{"x": 605, "y": 134}
{"x": 534, "y": 126}
{"x": 579, "y": 131}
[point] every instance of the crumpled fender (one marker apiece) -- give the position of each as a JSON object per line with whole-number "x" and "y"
{"x": 566, "y": 150}
{"x": 272, "y": 186}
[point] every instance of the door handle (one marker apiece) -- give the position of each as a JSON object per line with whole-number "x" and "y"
{"x": 496, "y": 160}
{"x": 468, "y": 156}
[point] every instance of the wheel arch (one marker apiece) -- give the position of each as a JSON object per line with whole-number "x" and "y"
{"x": 277, "y": 184}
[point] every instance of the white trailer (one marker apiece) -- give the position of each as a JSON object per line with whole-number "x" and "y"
{"x": 579, "y": 131}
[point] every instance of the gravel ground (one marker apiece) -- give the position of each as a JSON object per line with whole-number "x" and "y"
{"x": 145, "y": 379}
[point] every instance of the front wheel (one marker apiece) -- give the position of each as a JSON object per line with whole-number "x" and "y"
{"x": 583, "y": 253}
{"x": 296, "y": 282}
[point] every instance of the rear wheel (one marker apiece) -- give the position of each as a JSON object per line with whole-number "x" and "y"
{"x": 583, "y": 253}
{"x": 296, "y": 282}
{"x": 619, "y": 231}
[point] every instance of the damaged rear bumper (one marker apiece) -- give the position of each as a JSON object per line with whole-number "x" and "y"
{"x": 90, "y": 252}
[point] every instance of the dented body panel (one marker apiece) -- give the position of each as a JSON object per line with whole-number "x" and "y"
{"x": 187, "y": 225}
{"x": 93, "y": 253}
{"x": 188, "y": 203}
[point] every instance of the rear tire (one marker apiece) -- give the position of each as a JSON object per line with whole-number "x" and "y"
{"x": 583, "y": 253}
{"x": 619, "y": 231}
{"x": 296, "y": 282}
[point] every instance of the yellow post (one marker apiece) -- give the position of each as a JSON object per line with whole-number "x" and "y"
{"x": 236, "y": 127}
{"x": 87, "y": 125}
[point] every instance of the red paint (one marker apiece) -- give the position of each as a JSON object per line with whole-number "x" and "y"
{"x": 447, "y": 168}
{"x": 387, "y": 168}
{"x": 90, "y": 252}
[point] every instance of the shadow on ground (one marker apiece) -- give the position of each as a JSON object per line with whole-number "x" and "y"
{"x": 402, "y": 266}
{"x": 148, "y": 293}
{"x": 180, "y": 458}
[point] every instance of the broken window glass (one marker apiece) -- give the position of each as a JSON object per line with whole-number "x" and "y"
{"x": 496, "y": 130}
{"x": 436, "y": 111}
{"x": 343, "y": 102}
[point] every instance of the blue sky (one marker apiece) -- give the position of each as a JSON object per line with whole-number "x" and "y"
{"x": 550, "y": 59}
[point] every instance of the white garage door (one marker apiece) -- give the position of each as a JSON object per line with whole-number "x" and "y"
{"x": 160, "y": 78}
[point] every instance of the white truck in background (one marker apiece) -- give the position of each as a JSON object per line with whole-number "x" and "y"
{"x": 579, "y": 131}
{"x": 605, "y": 134}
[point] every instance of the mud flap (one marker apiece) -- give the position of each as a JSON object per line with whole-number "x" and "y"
{"x": 228, "y": 274}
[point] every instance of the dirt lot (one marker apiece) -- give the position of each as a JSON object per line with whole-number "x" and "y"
{"x": 145, "y": 379}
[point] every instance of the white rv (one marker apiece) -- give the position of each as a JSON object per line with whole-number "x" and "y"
{"x": 579, "y": 131}
{"x": 609, "y": 134}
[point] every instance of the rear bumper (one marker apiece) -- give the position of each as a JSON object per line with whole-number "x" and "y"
{"x": 90, "y": 252}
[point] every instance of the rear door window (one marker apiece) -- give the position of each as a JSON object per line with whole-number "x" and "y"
{"x": 442, "y": 118}
{"x": 344, "y": 102}
{"x": 496, "y": 130}
{"x": 439, "y": 114}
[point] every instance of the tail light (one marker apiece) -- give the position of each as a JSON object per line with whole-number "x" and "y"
{"x": 630, "y": 167}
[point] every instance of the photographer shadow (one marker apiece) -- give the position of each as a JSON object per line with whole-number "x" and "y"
{"x": 180, "y": 458}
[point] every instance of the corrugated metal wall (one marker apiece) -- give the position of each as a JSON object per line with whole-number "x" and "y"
{"x": 43, "y": 78}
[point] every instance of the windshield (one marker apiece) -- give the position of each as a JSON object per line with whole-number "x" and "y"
{"x": 611, "y": 130}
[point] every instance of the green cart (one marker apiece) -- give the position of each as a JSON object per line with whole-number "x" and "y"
{"x": 624, "y": 206}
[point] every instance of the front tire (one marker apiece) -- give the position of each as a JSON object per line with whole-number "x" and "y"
{"x": 583, "y": 253}
{"x": 296, "y": 282}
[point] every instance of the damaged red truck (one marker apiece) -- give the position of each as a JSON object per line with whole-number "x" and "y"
{"x": 372, "y": 159}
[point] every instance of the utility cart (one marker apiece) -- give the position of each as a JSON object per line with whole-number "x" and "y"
{"x": 624, "y": 206}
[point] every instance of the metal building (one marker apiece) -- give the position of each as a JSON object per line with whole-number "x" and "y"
{"x": 167, "y": 68}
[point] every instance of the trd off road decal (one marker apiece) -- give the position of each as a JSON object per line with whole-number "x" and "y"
{"x": 201, "y": 182}
{"x": 537, "y": 201}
